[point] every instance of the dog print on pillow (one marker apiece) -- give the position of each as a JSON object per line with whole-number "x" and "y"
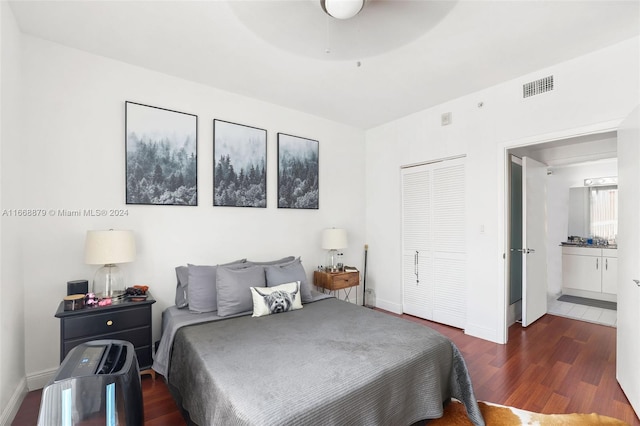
{"x": 275, "y": 300}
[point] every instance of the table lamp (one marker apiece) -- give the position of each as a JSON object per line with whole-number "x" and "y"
{"x": 332, "y": 240}
{"x": 109, "y": 248}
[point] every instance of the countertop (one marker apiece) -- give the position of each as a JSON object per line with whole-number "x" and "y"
{"x": 596, "y": 246}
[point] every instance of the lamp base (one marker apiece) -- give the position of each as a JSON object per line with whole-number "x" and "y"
{"x": 334, "y": 261}
{"x": 108, "y": 281}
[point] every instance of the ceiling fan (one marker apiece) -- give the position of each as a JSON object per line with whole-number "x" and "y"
{"x": 342, "y": 9}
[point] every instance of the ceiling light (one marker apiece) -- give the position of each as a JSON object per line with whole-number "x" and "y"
{"x": 603, "y": 181}
{"x": 342, "y": 9}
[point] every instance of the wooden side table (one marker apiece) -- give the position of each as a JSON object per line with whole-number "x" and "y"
{"x": 336, "y": 281}
{"x": 125, "y": 320}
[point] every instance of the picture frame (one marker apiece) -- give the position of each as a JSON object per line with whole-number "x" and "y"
{"x": 298, "y": 176}
{"x": 161, "y": 149}
{"x": 240, "y": 165}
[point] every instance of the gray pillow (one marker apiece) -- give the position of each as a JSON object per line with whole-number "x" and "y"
{"x": 201, "y": 290}
{"x": 182, "y": 274}
{"x": 288, "y": 272}
{"x": 275, "y": 262}
{"x": 233, "y": 285}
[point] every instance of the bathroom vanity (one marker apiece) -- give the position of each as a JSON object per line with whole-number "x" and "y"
{"x": 590, "y": 271}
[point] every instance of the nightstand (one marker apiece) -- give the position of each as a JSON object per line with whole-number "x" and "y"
{"x": 336, "y": 281}
{"x": 125, "y": 320}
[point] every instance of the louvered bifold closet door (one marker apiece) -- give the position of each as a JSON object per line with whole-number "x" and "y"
{"x": 449, "y": 258}
{"x": 417, "y": 242}
{"x": 433, "y": 242}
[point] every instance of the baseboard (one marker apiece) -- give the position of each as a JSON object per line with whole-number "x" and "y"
{"x": 40, "y": 379}
{"x": 14, "y": 403}
{"x": 389, "y": 306}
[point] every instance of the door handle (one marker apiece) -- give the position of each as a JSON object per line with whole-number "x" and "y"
{"x": 637, "y": 282}
{"x": 524, "y": 250}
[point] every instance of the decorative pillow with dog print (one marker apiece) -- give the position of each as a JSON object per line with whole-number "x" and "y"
{"x": 274, "y": 300}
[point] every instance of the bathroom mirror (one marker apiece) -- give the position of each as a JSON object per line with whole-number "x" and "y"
{"x": 593, "y": 211}
{"x": 578, "y": 212}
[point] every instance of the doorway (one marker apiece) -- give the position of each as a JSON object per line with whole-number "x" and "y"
{"x": 569, "y": 161}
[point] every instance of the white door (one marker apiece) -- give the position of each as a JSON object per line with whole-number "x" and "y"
{"x": 449, "y": 244}
{"x": 433, "y": 242}
{"x": 417, "y": 242}
{"x": 534, "y": 240}
{"x": 628, "y": 327}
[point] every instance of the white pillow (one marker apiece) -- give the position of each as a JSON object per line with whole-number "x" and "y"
{"x": 274, "y": 300}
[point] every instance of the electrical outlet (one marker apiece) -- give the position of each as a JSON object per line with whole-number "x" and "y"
{"x": 446, "y": 119}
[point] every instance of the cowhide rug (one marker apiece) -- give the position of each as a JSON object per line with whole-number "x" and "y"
{"x": 500, "y": 415}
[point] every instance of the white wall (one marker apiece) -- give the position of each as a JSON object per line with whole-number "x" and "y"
{"x": 597, "y": 88}
{"x": 73, "y": 142}
{"x": 12, "y": 324}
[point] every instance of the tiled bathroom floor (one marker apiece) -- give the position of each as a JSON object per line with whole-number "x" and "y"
{"x": 581, "y": 312}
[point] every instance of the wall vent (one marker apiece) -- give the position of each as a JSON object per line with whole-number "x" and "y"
{"x": 536, "y": 87}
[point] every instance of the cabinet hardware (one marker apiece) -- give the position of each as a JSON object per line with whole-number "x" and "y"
{"x": 415, "y": 263}
{"x": 637, "y": 282}
{"x": 597, "y": 263}
{"x": 109, "y": 323}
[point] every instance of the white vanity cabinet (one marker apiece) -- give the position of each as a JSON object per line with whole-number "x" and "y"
{"x": 610, "y": 271}
{"x": 590, "y": 272}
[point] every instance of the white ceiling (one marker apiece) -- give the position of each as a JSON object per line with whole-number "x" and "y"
{"x": 395, "y": 58}
{"x": 577, "y": 150}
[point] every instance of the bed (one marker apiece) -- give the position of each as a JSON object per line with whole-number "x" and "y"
{"x": 330, "y": 363}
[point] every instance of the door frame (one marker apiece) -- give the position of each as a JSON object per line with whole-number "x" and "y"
{"x": 503, "y": 159}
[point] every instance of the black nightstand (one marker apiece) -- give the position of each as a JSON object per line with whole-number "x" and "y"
{"x": 130, "y": 321}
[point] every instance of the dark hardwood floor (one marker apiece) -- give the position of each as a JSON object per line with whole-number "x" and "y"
{"x": 556, "y": 365}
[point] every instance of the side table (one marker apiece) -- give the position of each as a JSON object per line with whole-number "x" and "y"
{"x": 336, "y": 281}
{"x": 123, "y": 320}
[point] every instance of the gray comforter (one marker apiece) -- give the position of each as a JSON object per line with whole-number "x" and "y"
{"x": 330, "y": 363}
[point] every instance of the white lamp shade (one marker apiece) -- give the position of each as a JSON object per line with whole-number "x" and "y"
{"x": 333, "y": 239}
{"x": 342, "y": 9}
{"x": 107, "y": 247}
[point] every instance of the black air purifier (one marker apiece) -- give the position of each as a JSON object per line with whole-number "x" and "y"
{"x": 98, "y": 383}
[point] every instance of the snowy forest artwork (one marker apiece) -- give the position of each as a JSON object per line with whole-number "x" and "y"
{"x": 240, "y": 170}
{"x": 161, "y": 157}
{"x": 297, "y": 172}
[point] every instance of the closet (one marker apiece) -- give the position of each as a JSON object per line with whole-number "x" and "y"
{"x": 433, "y": 241}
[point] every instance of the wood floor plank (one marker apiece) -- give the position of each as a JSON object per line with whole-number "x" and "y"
{"x": 556, "y": 365}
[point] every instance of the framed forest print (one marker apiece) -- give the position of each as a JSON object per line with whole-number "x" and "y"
{"x": 161, "y": 156}
{"x": 240, "y": 169}
{"x": 297, "y": 172}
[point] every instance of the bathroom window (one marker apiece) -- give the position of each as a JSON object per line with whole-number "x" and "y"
{"x": 604, "y": 212}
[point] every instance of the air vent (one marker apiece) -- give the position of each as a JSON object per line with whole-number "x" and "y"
{"x": 536, "y": 87}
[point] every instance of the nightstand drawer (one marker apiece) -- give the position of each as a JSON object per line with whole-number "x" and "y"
{"x": 108, "y": 322}
{"x": 138, "y": 337}
{"x": 341, "y": 281}
{"x": 334, "y": 281}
